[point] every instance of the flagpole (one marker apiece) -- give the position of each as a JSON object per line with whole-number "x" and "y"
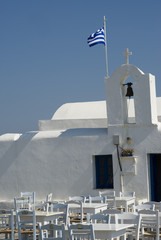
{"x": 104, "y": 24}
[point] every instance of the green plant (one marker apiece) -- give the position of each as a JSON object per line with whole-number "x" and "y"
{"x": 127, "y": 152}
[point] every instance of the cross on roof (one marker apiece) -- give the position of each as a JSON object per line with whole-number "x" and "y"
{"x": 126, "y": 54}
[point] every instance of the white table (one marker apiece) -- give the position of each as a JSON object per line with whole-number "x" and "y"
{"x": 94, "y": 208}
{"x": 84, "y": 208}
{"x": 91, "y": 208}
{"x": 125, "y": 202}
{"x": 109, "y": 231}
{"x": 43, "y": 217}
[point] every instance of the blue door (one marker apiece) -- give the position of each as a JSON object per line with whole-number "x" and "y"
{"x": 104, "y": 171}
{"x": 155, "y": 177}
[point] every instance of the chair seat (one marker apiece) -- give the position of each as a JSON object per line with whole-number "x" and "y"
{"x": 76, "y": 220}
{"x": 151, "y": 234}
{"x": 5, "y": 231}
{"x": 29, "y": 231}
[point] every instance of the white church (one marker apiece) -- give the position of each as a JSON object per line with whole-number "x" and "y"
{"x": 80, "y": 150}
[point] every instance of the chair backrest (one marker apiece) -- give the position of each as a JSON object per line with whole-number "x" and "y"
{"x": 143, "y": 207}
{"x": 157, "y": 205}
{"x": 7, "y": 222}
{"x": 49, "y": 197}
{"x": 127, "y": 194}
{"x": 75, "y": 209}
{"x": 64, "y": 209}
{"x": 81, "y": 232}
{"x": 126, "y": 218}
{"x": 107, "y": 193}
{"x": 26, "y": 219}
{"x": 77, "y": 198}
{"x": 31, "y": 195}
{"x": 150, "y": 219}
{"x": 129, "y": 218}
{"x": 52, "y": 232}
{"x": 22, "y": 203}
{"x": 98, "y": 218}
{"x": 112, "y": 212}
{"x": 97, "y": 199}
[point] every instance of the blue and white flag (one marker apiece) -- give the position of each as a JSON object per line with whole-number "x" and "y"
{"x": 97, "y": 37}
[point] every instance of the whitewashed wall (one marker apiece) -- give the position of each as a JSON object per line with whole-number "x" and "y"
{"x": 44, "y": 163}
{"x": 61, "y": 160}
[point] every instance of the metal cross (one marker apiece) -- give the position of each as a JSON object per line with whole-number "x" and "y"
{"x": 126, "y": 54}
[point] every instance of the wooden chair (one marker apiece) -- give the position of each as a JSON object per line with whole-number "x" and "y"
{"x": 157, "y": 205}
{"x": 81, "y": 232}
{"x": 143, "y": 207}
{"x": 107, "y": 193}
{"x": 110, "y": 197}
{"x": 129, "y": 218}
{"x": 52, "y": 232}
{"x": 112, "y": 212}
{"x": 26, "y": 222}
{"x": 31, "y": 196}
{"x": 98, "y": 218}
{"x": 96, "y": 199}
{"x": 150, "y": 224}
{"x": 45, "y": 205}
{"x": 22, "y": 203}
{"x": 7, "y": 224}
{"x": 77, "y": 198}
{"x": 75, "y": 211}
{"x": 49, "y": 197}
{"x": 64, "y": 209}
{"x": 127, "y": 194}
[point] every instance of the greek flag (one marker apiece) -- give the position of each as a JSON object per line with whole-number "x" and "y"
{"x": 96, "y": 38}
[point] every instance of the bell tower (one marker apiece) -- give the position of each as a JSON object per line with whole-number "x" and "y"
{"x": 143, "y": 89}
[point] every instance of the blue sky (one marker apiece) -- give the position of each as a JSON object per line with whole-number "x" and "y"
{"x": 45, "y": 60}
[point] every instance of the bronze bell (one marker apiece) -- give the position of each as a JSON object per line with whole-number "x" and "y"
{"x": 129, "y": 89}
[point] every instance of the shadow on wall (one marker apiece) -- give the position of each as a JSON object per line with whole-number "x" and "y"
{"x": 15, "y": 148}
{"x": 84, "y": 132}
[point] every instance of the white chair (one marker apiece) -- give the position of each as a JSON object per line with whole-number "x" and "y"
{"x": 98, "y": 218}
{"x": 77, "y": 198}
{"x": 96, "y": 199}
{"x": 45, "y": 205}
{"x": 127, "y": 194}
{"x": 64, "y": 209}
{"x": 22, "y": 203}
{"x": 111, "y": 203}
{"x": 31, "y": 196}
{"x": 81, "y": 232}
{"x": 49, "y": 197}
{"x": 143, "y": 207}
{"x": 52, "y": 232}
{"x": 149, "y": 224}
{"x": 112, "y": 212}
{"x": 129, "y": 218}
{"x": 26, "y": 222}
{"x": 110, "y": 197}
{"x": 75, "y": 211}
{"x": 7, "y": 224}
{"x": 157, "y": 205}
{"x": 107, "y": 193}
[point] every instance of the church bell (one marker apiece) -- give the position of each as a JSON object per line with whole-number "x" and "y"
{"x": 129, "y": 92}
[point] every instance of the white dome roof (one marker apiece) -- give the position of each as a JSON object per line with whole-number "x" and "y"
{"x": 81, "y": 110}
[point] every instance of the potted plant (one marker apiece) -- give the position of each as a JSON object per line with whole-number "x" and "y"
{"x": 127, "y": 152}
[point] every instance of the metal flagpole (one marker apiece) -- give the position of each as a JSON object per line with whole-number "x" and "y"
{"x": 104, "y": 24}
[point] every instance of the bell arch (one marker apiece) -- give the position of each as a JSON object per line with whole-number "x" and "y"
{"x": 145, "y": 96}
{"x": 128, "y": 97}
